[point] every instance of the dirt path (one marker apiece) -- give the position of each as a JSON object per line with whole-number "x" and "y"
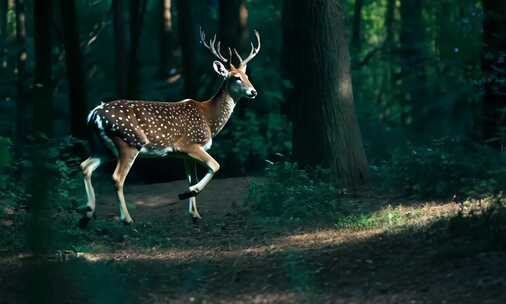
{"x": 233, "y": 256}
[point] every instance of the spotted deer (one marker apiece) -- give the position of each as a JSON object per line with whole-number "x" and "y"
{"x": 183, "y": 129}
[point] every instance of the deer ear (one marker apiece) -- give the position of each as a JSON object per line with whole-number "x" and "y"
{"x": 220, "y": 68}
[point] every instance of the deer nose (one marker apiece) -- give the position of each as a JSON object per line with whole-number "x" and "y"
{"x": 253, "y": 93}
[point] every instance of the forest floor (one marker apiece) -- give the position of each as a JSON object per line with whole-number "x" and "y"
{"x": 233, "y": 256}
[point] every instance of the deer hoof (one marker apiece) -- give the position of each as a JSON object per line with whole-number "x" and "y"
{"x": 127, "y": 222}
{"x": 187, "y": 195}
{"x": 83, "y": 222}
{"x": 83, "y": 209}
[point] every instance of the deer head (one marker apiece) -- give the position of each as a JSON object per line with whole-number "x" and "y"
{"x": 237, "y": 82}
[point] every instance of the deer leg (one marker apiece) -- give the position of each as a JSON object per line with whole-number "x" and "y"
{"x": 87, "y": 167}
{"x": 198, "y": 153}
{"x": 126, "y": 158}
{"x": 191, "y": 174}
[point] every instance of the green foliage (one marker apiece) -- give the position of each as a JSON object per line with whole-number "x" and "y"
{"x": 291, "y": 193}
{"x": 444, "y": 167}
{"x": 17, "y": 177}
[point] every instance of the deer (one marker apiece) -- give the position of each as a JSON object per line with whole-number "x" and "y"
{"x": 129, "y": 129}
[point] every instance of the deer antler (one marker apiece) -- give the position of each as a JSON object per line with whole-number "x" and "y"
{"x": 254, "y": 51}
{"x": 215, "y": 50}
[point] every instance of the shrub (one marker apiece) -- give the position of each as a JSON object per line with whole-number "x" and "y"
{"x": 444, "y": 167}
{"x": 292, "y": 193}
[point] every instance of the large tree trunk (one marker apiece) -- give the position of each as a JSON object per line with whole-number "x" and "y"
{"x": 120, "y": 47}
{"x": 22, "y": 56}
{"x": 414, "y": 88}
{"x": 137, "y": 9}
{"x": 75, "y": 71}
{"x": 189, "y": 38}
{"x": 233, "y": 23}
{"x": 166, "y": 35}
{"x": 356, "y": 37}
{"x": 494, "y": 73}
{"x": 325, "y": 128}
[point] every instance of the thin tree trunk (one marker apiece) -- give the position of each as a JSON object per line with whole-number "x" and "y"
{"x": 289, "y": 56}
{"x": 166, "y": 35}
{"x": 356, "y": 37}
{"x": 233, "y": 23}
{"x": 43, "y": 87}
{"x": 43, "y": 123}
{"x": 3, "y": 32}
{"x": 446, "y": 36}
{"x": 188, "y": 38}
{"x": 325, "y": 128}
{"x": 414, "y": 88}
{"x": 22, "y": 57}
{"x": 74, "y": 66}
{"x": 120, "y": 47}
{"x": 137, "y": 9}
{"x": 389, "y": 83}
{"x": 494, "y": 73}
{"x": 389, "y": 23}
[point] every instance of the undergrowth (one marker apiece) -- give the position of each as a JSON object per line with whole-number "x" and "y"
{"x": 293, "y": 194}
{"x": 445, "y": 167}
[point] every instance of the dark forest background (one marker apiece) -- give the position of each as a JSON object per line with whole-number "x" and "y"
{"x": 422, "y": 71}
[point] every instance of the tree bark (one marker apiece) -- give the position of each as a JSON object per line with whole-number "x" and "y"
{"x": 75, "y": 71}
{"x": 166, "y": 35}
{"x": 493, "y": 63}
{"x": 120, "y": 47}
{"x": 189, "y": 38}
{"x": 356, "y": 37}
{"x": 137, "y": 9}
{"x": 233, "y": 23}
{"x": 389, "y": 23}
{"x": 3, "y": 32}
{"x": 43, "y": 86}
{"x": 22, "y": 57}
{"x": 413, "y": 74}
{"x": 325, "y": 128}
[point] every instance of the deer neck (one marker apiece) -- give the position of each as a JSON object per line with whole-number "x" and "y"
{"x": 221, "y": 107}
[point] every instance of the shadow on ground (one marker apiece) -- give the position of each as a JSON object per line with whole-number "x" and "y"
{"x": 232, "y": 257}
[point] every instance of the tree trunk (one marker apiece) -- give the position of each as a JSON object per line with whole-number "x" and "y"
{"x": 288, "y": 58}
{"x": 446, "y": 38}
{"x": 494, "y": 73}
{"x": 166, "y": 35}
{"x": 189, "y": 38}
{"x": 22, "y": 57}
{"x": 325, "y": 128}
{"x": 414, "y": 88}
{"x": 3, "y": 32}
{"x": 137, "y": 9}
{"x": 233, "y": 24}
{"x": 389, "y": 23}
{"x": 390, "y": 89}
{"x": 43, "y": 86}
{"x": 75, "y": 71}
{"x": 120, "y": 47}
{"x": 356, "y": 37}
